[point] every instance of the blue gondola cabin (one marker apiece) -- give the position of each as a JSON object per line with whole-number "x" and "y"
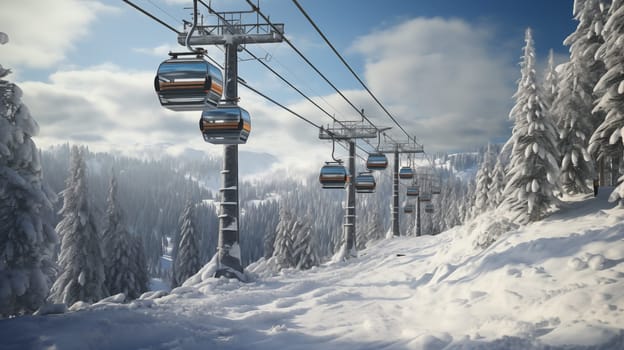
{"x": 365, "y": 183}
{"x": 377, "y": 161}
{"x": 406, "y": 173}
{"x": 333, "y": 175}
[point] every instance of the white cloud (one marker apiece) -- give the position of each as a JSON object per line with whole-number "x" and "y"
{"x": 442, "y": 79}
{"x": 105, "y": 107}
{"x": 111, "y": 109}
{"x": 42, "y": 32}
{"x": 438, "y": 77}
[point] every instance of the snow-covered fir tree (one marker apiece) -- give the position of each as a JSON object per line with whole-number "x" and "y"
{"x": 497, "y": 186}
{"x": 572, "y": 112}
{"x": 483, "y": 183}
{"x": 573, "y": 105}
{"x": 551, "y": 83}
{"x": 467, "y": 209}
{"x": 80, "y": 261}
{"x": 138, "y": 264}
{"x": 585, "y": 70}
{"x": 436, "y": 218}
{"x": 120, "y": 255}
{"x": 27, "y": 240}
{"x": 608, "y": 139}
{"x": 533, "y": 170}
{"x": 373, "y": 230}
{"x": 186, "y": 260}
{"x": 452, "y": 193}
{"x": 268, "y": 243}
{"x": 304, "y": 246}
{"x": 283, "y": 250}
{"x": 153, "y": 251}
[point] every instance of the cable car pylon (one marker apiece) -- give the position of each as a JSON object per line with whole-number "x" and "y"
{"x": 349, "y": 131}
{"x": 229, "y": 124}
{"x": 398, "y": 148}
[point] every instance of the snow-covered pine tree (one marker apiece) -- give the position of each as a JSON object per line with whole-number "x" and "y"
{"x": 374, "y": 229}
{"x": 186, "y": 261}
{"x": 268, "y": 242}
{"x": 608, "y": 139}
{"x": 437, "y": 222}
{"x": 533, "y": 170}
{"x": 284, "y": 239}
{"x": 80, "y": 261}
{"x": 304, "y": 246}
{"x": 574, "y": 124}
{"x": 483, "y": 183}
{"x": 457, "y": 202}
{"x": 449, "y": 203}
{"x": 497, "y": 186}
{"x": 584, "y": 69}
{"x": 584, "y": 42}
{"x": 138, "y": 266}
{"x": 27, "y": 240}
{"x": 119, "y": 254}
{"x": 571, "y": 110}
{"x": 468, "y": 200}
{"x": 551, "y": 83}
{"x": 153, "y": 251}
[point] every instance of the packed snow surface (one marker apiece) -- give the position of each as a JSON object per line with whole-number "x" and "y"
{"x": 555, "y": 284}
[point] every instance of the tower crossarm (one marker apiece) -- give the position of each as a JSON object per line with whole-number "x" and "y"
{"x": 232, "y": 29}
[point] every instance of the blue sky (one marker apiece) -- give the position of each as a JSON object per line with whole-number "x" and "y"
{"x": 445, "y": 69}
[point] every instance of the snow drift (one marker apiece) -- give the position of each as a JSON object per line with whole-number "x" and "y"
{"x": 558, "y": 283}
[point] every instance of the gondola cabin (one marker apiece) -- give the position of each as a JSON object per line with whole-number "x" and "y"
{"x": 376, "y": 161}
{"x": 409, "y": 208}
{"x": 333, "y": 175}
{"x": 365, "y": 183}
{"x": 226, "y": 125}
{"x": 188, "y": 84}
{"x": 435, "y": 190}
{"x": 413, "y": 191}
{"x": 425, "y": 197}
{"x": 429, "y": 208}
{"x": 406, "y": 173}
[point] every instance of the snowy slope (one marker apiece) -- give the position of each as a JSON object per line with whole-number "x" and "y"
{"x": 554, "y": 284}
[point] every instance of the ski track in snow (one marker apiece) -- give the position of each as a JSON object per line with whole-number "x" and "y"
{"x": 555, "y": 284}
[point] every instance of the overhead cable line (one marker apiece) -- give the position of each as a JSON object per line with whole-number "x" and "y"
{"x": 244, "y": 83}
{"x": 303, "y": 95}
{"x": 257, "y": 10}
{"x": 240, "y": 80}
{"x": 318, "y": 30}
{"x": 360, "y": 112}
{"x": 151, "y": 16}
{"x": 163, "y": 10}
{"x": 212, "y": 11}
{"x": 292, "y": 46}
{"x": 291, "y": 112}
{"x": 279, "y": 104}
